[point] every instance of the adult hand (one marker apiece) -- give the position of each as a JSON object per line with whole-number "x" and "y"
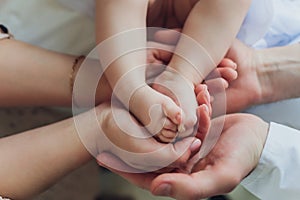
{"x": 235, "y": 155}
{"x": 265, "y": 76}
{"x": 143, "y": 180}
{"x": 246, "y": 90}
{"x": 122, "y": 136}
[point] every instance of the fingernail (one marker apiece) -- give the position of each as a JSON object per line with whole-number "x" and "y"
{"x": 207, "y": 96}
{"x": 206, "y": 108}
{"x": 178, "y": 118}
{"x": 163, "y": 190}
{"x": 235, "y": 65}
{"x": 195, "y": 145}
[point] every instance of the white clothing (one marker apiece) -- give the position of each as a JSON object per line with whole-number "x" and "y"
{"x": 86, "y": 7}
{"x": 277, "y": 175}
{"x": 269, "y": 23}
{"x": 48, "y": 24}
{"x": 259, "y": 18}
{"x": 285, "y": 25}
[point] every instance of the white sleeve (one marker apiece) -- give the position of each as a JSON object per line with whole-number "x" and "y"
{"x": 278, "y": 173}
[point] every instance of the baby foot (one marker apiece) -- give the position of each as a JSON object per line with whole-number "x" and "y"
{"x": 157, "y": 112}
{"x": 173, "y": 85}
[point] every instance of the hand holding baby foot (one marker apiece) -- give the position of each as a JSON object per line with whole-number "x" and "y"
{"x": 135, "y": 146}
{"x": 157, "y": 112}
{"x": 172, "y": 84}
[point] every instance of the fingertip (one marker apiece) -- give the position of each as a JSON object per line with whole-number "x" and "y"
{"x": 199, "y": 88}
{"x": 164, "y": 189}
{"x": 195, "y": 145}
{"x": 234, "y": 65}
{"x": 178, "y": 119}
{"x": 225, "y": 84}
{"x": 226, "y": 62}
{"x": 206, "y": 108}
{"x": 102, "y": 158}
{"x": 235, "y": 75}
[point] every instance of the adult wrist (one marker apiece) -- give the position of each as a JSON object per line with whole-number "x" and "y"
{"x": 278, "y": 72}
{"x": 89, "y": 129}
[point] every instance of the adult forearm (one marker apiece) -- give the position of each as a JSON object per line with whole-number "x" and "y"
{"x": 34, "y": 160}
{"x": 279, "y": 74}
{"x": 32, "y": 76}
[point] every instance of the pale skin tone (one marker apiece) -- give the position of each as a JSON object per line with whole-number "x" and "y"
{"x": 69, "y": 152}
{"x": 59, "y": 143}
{"x": 27, "y": 158}
{"x": 220, "y": 171}
{"x": 62, "y": 135}
{"x": 273, "y": 73}
{"x": 52, "y": 71}
{"x": 260, "y": 72}
{"x": 215, "y": 34}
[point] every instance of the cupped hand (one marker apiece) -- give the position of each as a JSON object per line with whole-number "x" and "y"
{"x": 235, "y": 155}
{"x": 122, "y": 136}
{"x": 120, "y": 166}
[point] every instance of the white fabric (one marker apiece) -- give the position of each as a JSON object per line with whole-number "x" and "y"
{"x": 285, "y": 26}
{"x": 271, "y": 23}
{"x": 259, "y": 18}
{"x": 268, "y": 23}
{"x": 49, "y": 24}
{"x": 277, "y": 175}
{"x": 86, "y": 7}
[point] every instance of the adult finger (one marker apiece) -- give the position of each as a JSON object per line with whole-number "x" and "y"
{"x": 199, "y": 185}
{"x": 226, "y": 62}
{"x": 228, "y": 74}
{"x": 204, "y": 121}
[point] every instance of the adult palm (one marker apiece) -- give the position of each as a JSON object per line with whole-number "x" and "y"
{"x": 246, "y": 90}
